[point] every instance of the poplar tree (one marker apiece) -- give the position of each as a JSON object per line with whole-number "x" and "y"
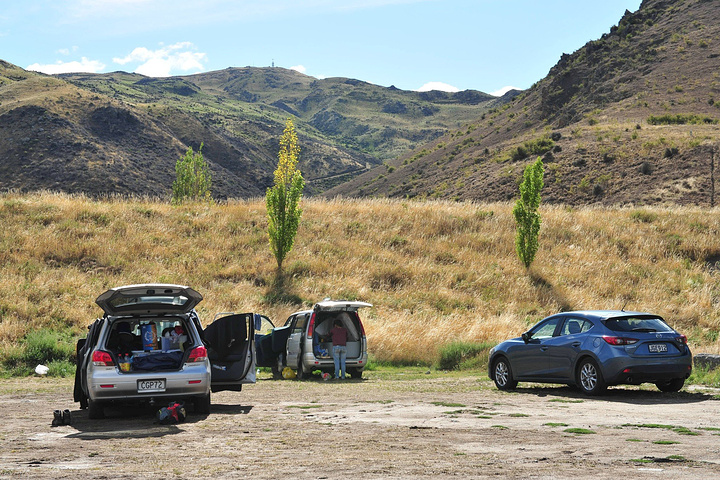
{"x": 192, "y": 178}
{"x": 283, "y": 198}
{"x": 526, "y": 213}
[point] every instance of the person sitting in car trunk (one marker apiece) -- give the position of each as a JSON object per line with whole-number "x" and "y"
{"x": 339, "y": 349}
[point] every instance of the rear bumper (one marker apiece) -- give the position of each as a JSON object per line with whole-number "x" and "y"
{"x": 311, "y": 362}
{"x": 109, "y": 384}
{"x": 649, "y": 371}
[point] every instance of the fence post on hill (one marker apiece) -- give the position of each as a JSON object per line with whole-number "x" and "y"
{"x": 283, "y": 198}
{"x": 526, "y": 213}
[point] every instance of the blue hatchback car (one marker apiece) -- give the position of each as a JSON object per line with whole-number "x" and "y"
{"x": 592, "y": 350}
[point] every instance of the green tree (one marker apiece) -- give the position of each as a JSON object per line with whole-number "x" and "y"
{"x": 283, "y": 198}
{"x": 526, "y": 213}
{"x": 192, "y": 178}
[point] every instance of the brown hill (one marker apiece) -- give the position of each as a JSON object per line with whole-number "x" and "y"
{"x": 629, "y": 118}
{"x": 121, "y": 133}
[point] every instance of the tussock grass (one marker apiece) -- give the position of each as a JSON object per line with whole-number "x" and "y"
{"x": 436, "y": 272}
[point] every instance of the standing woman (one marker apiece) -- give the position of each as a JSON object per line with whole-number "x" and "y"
{"x": 339, "y": 349}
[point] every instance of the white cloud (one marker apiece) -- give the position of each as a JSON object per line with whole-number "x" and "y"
{"x": 503, "y": 91}
{"x": 443, "y": 87}
{"x": 177, "y": 58}
{"x": 84, "y": 65}
{"x": 299, "y": 68}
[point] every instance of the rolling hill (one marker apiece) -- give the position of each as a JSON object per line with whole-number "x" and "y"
{"x": 630, "y": 118}
{"x": 121, "y": 133}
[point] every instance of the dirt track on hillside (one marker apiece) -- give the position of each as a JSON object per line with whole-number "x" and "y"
{"x": 435, "y": 426}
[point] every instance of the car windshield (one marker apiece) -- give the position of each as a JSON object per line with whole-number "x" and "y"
{"x": 637, "y": 324}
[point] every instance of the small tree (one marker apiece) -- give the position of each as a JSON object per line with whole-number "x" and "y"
{"x": 526, "y": 213}
{"x": 192, "y": 178}
{"x": 283, "y": 198}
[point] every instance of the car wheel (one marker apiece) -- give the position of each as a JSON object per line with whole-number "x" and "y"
{"x": 276, "y": 370}
{"x": 96, "y": 410}
{"x": 503, "y": 375}
{"x": 355, "y": 373}
{"x": 673, "y": 385}
{"x": 589, "y": 377}
{"x": 202, "y": 404}
{"x": 300, "y": 374}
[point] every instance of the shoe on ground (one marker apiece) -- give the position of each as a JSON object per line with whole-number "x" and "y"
{"x": 57, "y": 418}
{"x": 66, "y": 417}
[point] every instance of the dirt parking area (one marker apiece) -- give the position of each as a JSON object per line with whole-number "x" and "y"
{"x": 384, "y": 426}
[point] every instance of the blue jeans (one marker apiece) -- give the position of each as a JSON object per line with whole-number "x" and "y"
{"x": 339, "y": 355}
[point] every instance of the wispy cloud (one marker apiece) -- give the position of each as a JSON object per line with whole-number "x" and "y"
{"x": 165, "y": 61}
{"x": 503, "y": 91}
{"x": 84, "y": 65}
{"x": 443, "y": 87}
{"x": 299, "y": 68}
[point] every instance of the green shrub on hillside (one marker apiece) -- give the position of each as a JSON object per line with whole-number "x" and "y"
{"x": 680, "y": 119}
{"x": 537, "y": 147}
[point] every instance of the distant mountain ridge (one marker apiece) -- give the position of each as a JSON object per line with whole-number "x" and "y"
{"x": 630, "y": 118}
{"x": 121, "y": 133}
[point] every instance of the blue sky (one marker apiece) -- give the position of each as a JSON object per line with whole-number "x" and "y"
{"x": 413, "y": 44}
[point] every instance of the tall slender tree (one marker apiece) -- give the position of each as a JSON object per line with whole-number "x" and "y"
{"x": 283, "y": 198}
{"x": 192, "y": 178}
{"x": 526, "y": 213}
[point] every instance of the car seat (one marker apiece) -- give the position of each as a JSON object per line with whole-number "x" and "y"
{"x": 573, "y": 327}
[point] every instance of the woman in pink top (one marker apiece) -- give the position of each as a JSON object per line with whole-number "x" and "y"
{"x": 339, "y": 349}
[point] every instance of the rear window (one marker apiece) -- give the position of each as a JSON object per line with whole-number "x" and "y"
{"x": 124, "y": 301}
{"x": 637, "y": 324}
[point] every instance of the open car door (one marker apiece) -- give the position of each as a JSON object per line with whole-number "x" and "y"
{"x": 230, "y": 341}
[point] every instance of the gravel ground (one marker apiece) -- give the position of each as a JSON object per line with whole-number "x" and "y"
{"x": 388, "y": 425}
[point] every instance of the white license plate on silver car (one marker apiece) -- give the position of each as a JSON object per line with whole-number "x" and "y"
{"x": 657, "y": 348}
{"x": 157, "y": 385}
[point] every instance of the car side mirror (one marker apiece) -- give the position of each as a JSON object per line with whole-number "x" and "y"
{"x": 526, "y": 337}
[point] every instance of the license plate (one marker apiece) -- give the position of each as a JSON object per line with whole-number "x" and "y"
{"x": 657, "y": 347}
{"x": 151, "y": 385}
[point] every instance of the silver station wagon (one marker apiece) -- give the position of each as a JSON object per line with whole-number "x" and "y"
{"x": 304, "y": 344}
{"x": 150, "y": 347}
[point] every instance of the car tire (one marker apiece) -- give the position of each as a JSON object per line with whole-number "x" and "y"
{"x": 502, "y": 374}
{"x": 300, "y": 373}
{"x": 276, "y": 370}
{"x": 673, "y": 385}
{"x": 590, "y": 378}
{"x": 355, "y": 373}
{"x": 202, "y": 404}
{"x": 96, "y": 410}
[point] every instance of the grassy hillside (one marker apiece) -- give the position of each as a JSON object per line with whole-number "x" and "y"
{"x": 436, "y": 272}
{"x": 630, "y": 118}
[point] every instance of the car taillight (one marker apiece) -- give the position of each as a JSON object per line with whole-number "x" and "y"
{"x": 311, "y": 327}
{"x": 682, "y": 339}
{"x": 101, "y": 358}
{"x": 619, "y": 340}
{"x": 362, "y": 327}
{"x": 197, "y": 354}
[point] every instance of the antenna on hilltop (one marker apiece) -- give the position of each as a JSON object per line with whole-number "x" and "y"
{"x": 273, "y": 63}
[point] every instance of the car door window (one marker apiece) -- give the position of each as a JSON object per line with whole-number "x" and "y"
{"x": 573, "y": 326}
{"x": 545, "y": 329}
{"x": 299, "y": 324}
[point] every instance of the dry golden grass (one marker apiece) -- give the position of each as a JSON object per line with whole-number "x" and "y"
{"x": 436, "y": 272}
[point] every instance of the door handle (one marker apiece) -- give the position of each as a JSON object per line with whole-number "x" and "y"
{"x": 576, "y": 344}
{"x": 543, "y": 349}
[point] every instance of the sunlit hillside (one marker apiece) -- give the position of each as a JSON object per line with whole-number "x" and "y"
{"x": 436, "y": 272}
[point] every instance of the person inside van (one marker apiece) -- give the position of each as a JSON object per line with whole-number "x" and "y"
{"x": 339, "y": 349}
